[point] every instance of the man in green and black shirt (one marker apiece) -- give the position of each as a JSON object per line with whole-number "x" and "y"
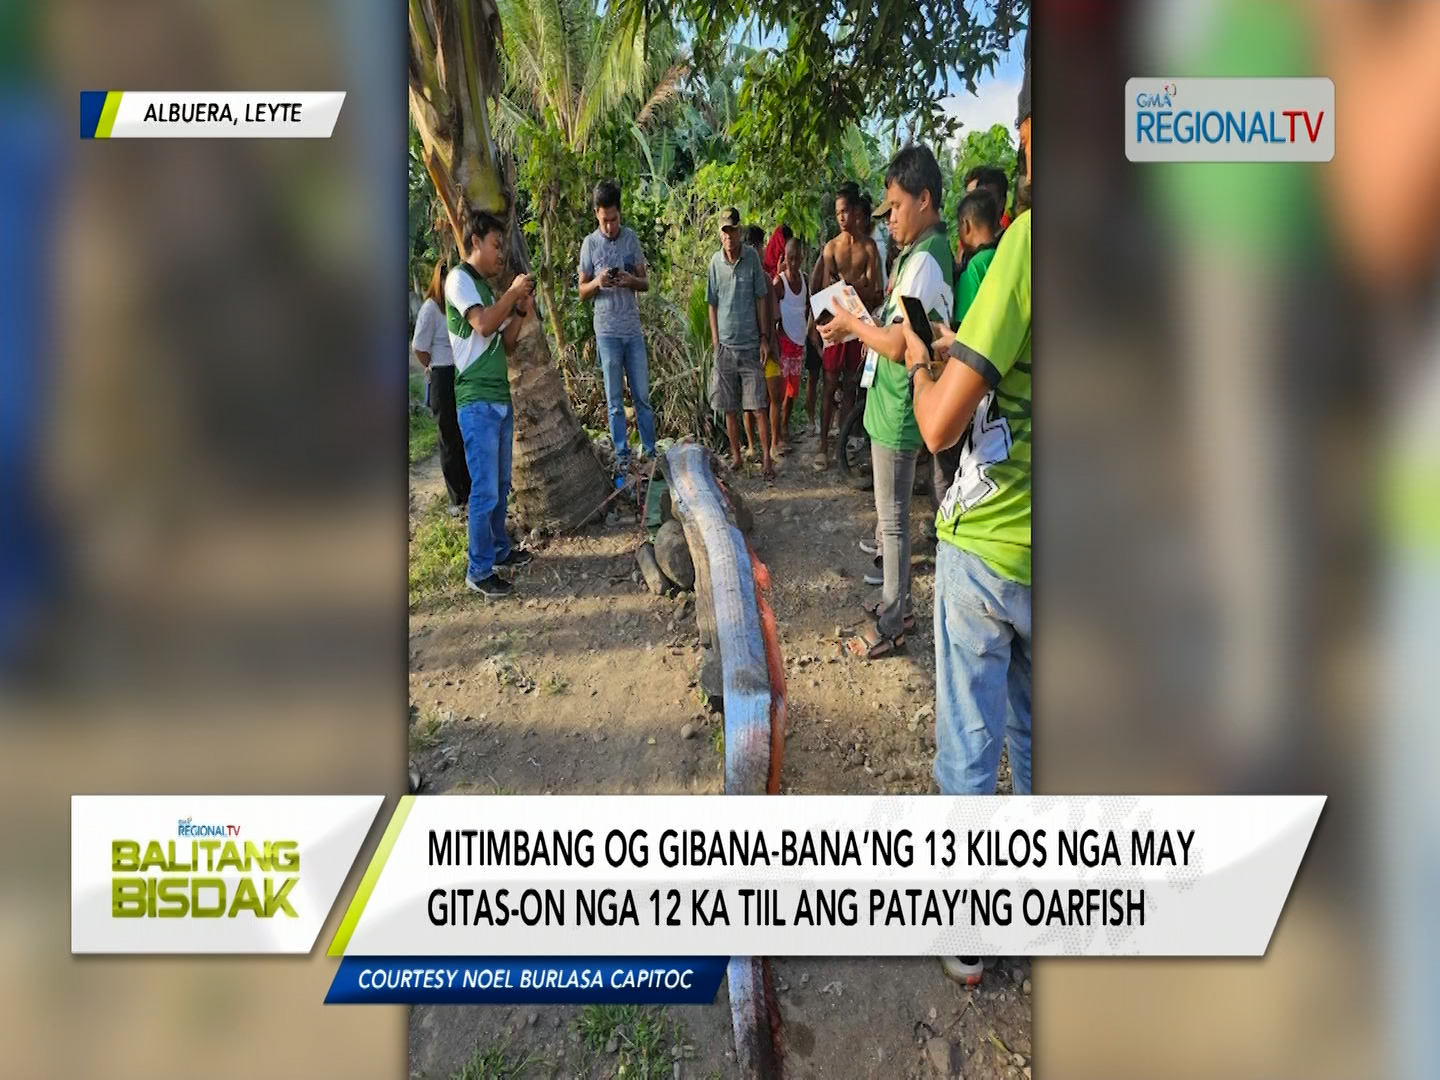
{"x": 481, "y": 328}
{"x": 982, "y": 567}
{"x": 924, "y": 270}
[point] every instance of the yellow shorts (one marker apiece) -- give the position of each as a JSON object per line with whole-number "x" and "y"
{"x": 772, "y": 369}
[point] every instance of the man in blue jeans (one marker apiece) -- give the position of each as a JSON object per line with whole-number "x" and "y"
{"x": 481, "y": 328}
{"x": 612, "y": 271}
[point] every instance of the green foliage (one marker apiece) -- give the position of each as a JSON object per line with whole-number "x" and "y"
{"x": 497, "y": 1062}
{"x": 641, "y": 1034}
{"x": 844, "y": 63}
{"x": 424, "y": 437}
{"x": 426, "y": 242}
{"x": 437, "y": 554}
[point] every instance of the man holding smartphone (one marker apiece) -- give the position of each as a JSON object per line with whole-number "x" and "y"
{"x": 612, "y": 272}
{"x": 481, "y": 328}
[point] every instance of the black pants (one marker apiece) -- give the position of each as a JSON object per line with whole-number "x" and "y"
{"x": 452, "y": 447}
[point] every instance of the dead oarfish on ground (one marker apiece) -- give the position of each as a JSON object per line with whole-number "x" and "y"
{"x": 732, "y": 606}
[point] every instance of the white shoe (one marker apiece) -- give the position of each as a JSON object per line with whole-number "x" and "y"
{"x": 869, "y": 547}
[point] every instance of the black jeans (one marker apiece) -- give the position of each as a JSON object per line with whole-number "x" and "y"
{"x": 452, "y": 446}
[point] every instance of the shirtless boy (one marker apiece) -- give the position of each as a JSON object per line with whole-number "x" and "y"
{"x": 853, "y": 258}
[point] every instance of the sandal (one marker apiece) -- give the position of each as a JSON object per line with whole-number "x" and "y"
{"x": 866, "y": 648}
{"x": 873, "y": 610}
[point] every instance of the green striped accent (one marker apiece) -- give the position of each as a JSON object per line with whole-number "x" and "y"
{"x": 372, "y": 875}
{"x": 107, "y": 114}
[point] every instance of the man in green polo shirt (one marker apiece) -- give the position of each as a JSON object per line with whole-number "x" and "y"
{"x": 481, "y": 327}
{"x": 924, "y": 270}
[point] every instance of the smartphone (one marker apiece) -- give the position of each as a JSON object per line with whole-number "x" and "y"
{"x": 824, "y": 317}
{"x": 919, "y": 320}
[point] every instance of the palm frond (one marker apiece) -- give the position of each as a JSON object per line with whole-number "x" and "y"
{"x": 666, "y": 89}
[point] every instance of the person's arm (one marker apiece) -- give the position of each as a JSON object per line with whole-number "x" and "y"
{"x": 888, "y": 341}
{"x": 943, "y": 407}
{"x": 714, "y": 331}
{"x": 589, "y": 285}
{"x": 869, "y": 285}
{"x": 590, "y": 282}
{"x": 817, "y": 274}
{"x": 511, "y": 332}
{"x": 989, "y": 342}
{"x": 424, "y": 333}
{"x": 487, "y": 320}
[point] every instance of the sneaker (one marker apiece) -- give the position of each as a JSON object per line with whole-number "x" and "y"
{"x": 877, "y": 575}
{"x": 869, "y": 547}
{"x": 493, "y": 587}
{"x": 965, "y": 970}
{"x": 456, "y": 511}
{"x": 517, "y": 557}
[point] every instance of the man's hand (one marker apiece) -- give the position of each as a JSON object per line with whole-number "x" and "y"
{"x": 838, "y": 328}
{"x": 522, "y": 286}
{"x": 765, "y": 353}
{"x": 941, "y": 338}
{"x": 624, "y": 280}
{"x": 916, "y": 355}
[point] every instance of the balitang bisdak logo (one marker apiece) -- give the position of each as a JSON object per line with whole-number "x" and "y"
{"x": 1230, "y": 120}
{"x": 178, "y": 879}
{"x": 209, "y": 873}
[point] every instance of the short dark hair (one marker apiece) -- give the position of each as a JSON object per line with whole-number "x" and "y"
{"x": 849, "y": 191}
{"x": 992, "y": 177}
{"x": 481, "y": 224}
{"x": 915, "y": 170}
{"x": 754, "y": 236}
{"x": 980, "y": 208}
{"x": 607, "y": 194}
{"x": 786, "y": 232}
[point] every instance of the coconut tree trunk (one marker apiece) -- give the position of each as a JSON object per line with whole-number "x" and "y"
{"x": 454, "y": 72}
{"x": 547, "y": 287}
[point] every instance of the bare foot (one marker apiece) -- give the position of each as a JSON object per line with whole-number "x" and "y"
{"x": 768, "y": 471}
{"x": 736, "y": 464}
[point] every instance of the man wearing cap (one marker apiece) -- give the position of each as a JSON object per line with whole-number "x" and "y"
{"x": 982, "y": 563}
{"x": 738, "y": 293}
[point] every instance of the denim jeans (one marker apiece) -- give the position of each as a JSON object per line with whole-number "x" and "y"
{"x": 982, "y": 675}
{"x": 894, "y": 472}
{"x": 488, "y": 429}
{"x": 622, "y": 360}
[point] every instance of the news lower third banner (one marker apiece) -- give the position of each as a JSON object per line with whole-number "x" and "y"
{"x": 640, "y": 899}
{"x": 134, "y": 114}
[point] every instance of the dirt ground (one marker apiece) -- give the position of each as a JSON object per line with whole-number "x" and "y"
{"x": 584, "y": 682}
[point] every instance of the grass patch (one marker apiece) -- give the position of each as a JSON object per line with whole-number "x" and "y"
{"x": 437, "y": 555}
{"x": 425, "y": 731}
{"x": 424, "y": 436}
{"x": 496, "y": 1062}
{"x": 717, "y": 738}
{"x": 554, "y": 684}
{"x": 644, "y": 1035}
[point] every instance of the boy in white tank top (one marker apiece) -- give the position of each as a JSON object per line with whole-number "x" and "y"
{"x": 792, "y": 299}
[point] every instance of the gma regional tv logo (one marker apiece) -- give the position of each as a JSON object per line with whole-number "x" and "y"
{"x": 1232, "y": 120}
{"x": 214, "y": 874}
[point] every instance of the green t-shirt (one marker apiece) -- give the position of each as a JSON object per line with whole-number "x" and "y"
{"x": 480, "y": 373}
{"x": 987, "y": 509}
{"x": 969, "y": 283}
{"x": 926, "y": 271}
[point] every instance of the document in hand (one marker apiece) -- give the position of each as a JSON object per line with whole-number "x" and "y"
{"x": 836, "y": 297}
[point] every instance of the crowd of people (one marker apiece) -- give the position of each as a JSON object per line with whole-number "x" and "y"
{"x": 957, "y": 384}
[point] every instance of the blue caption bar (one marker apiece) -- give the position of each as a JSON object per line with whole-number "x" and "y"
{"x": 516, "y": 980}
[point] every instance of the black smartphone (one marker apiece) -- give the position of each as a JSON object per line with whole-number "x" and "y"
{"x": 919, "y": 319}
{"x": 824, "y": 317}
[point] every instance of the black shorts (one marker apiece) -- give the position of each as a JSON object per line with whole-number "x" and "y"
{"x": 812, "y": 357}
